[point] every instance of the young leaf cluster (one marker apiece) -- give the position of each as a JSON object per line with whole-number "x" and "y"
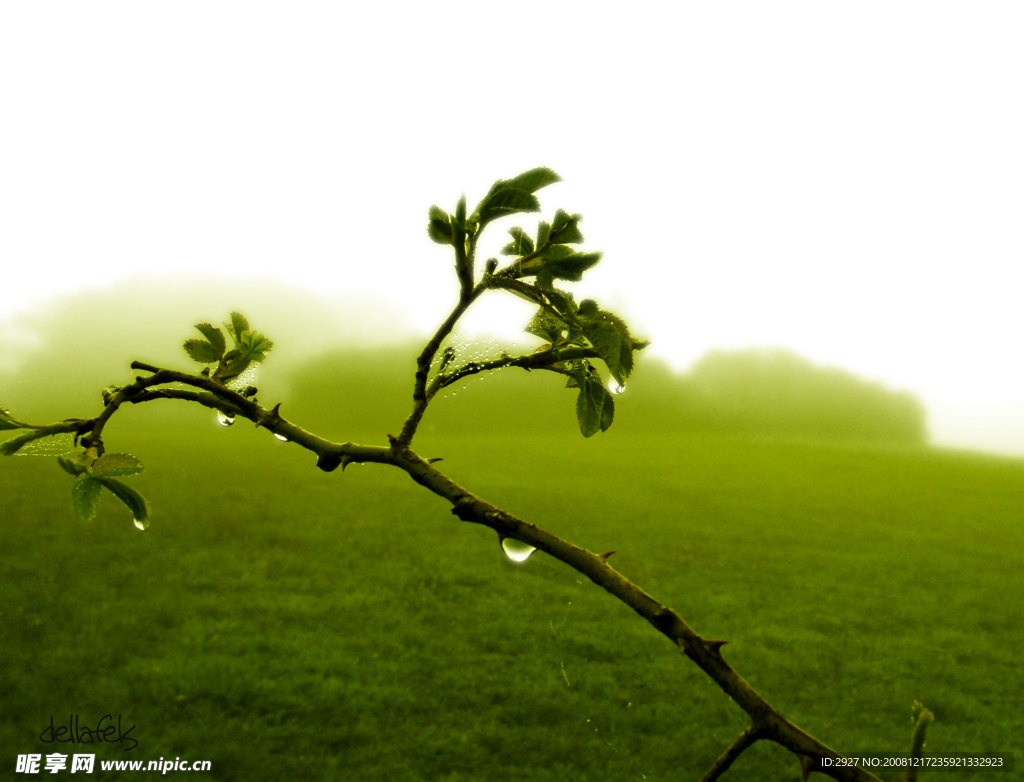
{"x": 550, "y": 256}
{"x": 574, "y": 333}
{"x": 602, "y": 334}
{"x": 250, "y": 347}
{"x": 461, "y": 231}
{"x": 95, "y": 470}
{"x": 93, "y": 474}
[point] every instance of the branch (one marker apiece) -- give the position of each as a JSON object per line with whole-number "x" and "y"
{"x": 733, "y": 751}
{"x": 608, "y": 337}
{"x": 766, "y": 721}
{"x": 544, "y": 358}
{"x": 419, "y": 394}
{"x": 212, "y": 394}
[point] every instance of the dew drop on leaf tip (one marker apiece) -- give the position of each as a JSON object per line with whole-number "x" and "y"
{"x": 615, "y": 387}
{"x": 140, "y": 525}
{"x": 225, "y": 419}
{"x": 516, "y": 550}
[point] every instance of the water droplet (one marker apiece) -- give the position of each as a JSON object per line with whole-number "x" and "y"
{"x": 141, "y": 524}
{"x": 225, "y": 419}
{"x": 563, "y": 333}
{"x": 615, "y": 387}
{"x": 516, "y": 550}
{"x": 281, "y": 437}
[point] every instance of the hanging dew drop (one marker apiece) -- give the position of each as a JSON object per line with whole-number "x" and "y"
{"x": 225, "y": 419}
{"x": 281, "y": 437}
{"x": 615, "y": 387}
{"x": 516, "y": 550}
{"x": 141, "y": 524}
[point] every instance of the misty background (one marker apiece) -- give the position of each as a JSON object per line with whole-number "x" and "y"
{"x": 839, "y": 183}
{"x": 345, "y": 370}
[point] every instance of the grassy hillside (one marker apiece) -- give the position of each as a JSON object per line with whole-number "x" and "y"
{"x": 751, "y": 392}
{"x": 289, "y": 624}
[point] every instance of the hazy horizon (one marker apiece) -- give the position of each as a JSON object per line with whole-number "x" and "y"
{"x": 148, "y": 318}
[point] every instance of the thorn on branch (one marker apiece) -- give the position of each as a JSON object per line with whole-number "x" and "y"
{"x": 272, "y": 417}
{"x": 715, "y": 647}
{"x": 807, "y": 765}
{"x": 606, "y": 554}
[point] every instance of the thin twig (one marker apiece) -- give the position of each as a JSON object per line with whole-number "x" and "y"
{"x": 729, "y": 755}
{"x": 542, "y": 359}
{"x": 425, "y": 359}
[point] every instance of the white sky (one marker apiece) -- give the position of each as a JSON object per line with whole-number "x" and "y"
{"x": 846, "y": 180}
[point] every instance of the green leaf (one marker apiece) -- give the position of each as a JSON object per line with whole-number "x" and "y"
{"x": 560, "y": 300}
{"x": 85, "y": 495}
{"x": 595, "y": 408}
{"x": 238, "y": 326}
{"x": 214, "y": 336}
{"x": 72, "y": 463}
{"x": 202, "y": 351}
{"x": 609, "y": 336}
{"x": 8, "y": 422}
{"x": 439, "y": 226}
{"x": 506, "y": 201}
{"x": 543, "y": 234}
{"x": 509, "y": 196}
{"x": 569, "y": 265}
{"x": 234, "y": 364}
{"x": 15, "y": 444}
{"x": 533, "y": 180}
{"x": 460, "y": 213}
{"x": 115, "y": 464}
{"x": 136, "y": 502}
{"x": 565, "y": 228}
{"x": 459, "y": 227}
{"x": 561, "y": 262}
{"x": 521, "y": 244}
{"x": 625, "y": 358}
{"x": 545, "y": 280}
{"x": 254, "y": 345}
{"x": 547, "y": 326}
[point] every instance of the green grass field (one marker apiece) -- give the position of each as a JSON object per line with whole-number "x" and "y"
{"x": 289, "y": 624}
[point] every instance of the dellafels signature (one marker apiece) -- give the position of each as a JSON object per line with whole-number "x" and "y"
{"x": 75, "y": 732}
